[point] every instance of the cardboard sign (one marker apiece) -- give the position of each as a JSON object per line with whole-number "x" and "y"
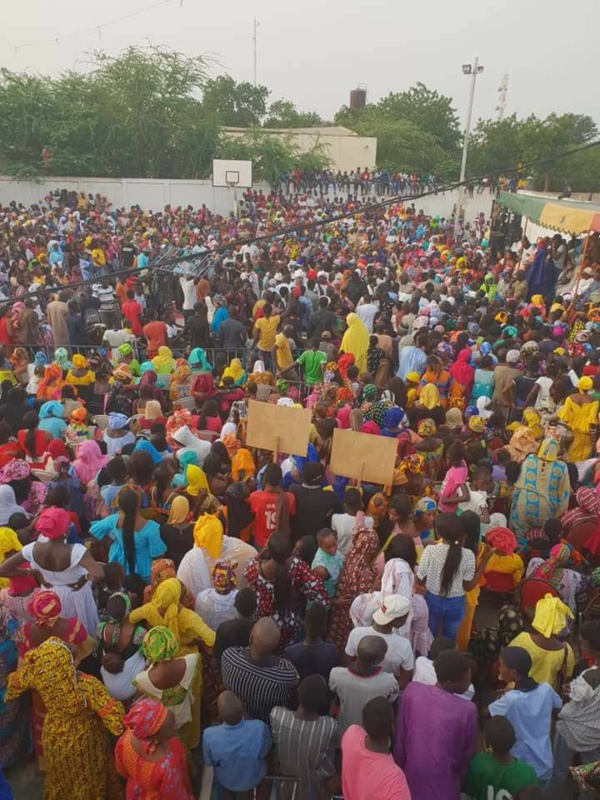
{"x": 363, "y": 456}
{"x": 278, "y": 428}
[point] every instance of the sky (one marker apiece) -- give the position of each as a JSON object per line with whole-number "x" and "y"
{"x": 314, "y": 52}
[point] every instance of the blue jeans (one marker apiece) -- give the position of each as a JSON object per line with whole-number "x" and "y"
{"x": 445, "y": 614}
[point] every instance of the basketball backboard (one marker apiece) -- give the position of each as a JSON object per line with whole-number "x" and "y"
{"x": 232, "y": 173}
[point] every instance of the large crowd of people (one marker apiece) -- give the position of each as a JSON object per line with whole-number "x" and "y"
{"x": 182, "y": 613}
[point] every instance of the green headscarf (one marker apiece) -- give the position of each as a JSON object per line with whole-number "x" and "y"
{"x": 159, "y": 645}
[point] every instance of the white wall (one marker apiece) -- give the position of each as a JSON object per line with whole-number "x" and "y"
{"x": 152, "y": 195}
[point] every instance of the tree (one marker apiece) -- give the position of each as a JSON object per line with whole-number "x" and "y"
{"x": 237, "y": 105}
{"x": 429, "y": 110}
{"x": 284, "y": 114}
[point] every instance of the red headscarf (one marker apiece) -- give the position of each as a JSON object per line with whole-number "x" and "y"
{"x": 461, "y": 371}
{"x": 53, "y": 522}
{"x": 343, "y": 363}
{"x": 57, "y": 449}
{"x": 45, "y": 606}
{"x": 502, "y": 539}
{"x": 145, "y": 719}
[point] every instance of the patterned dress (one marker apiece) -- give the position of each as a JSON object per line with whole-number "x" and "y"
{"x": 541, "y": 491}
{"x": 79, "y": 710}
{"x": 153, "y": 780}
{"x": 304, "y": 582}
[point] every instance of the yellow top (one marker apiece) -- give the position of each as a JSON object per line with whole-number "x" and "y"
{"x": 579, "y": 418}
{"x": 267, "y": 326}
{"x": 546, "y": 665}
{"x": 508, "y": 565}
{"x": 80, "y": 380}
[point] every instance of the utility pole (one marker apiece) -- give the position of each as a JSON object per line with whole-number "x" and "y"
{"x": 255, "y": 49}
{"x": 473, "y": 70}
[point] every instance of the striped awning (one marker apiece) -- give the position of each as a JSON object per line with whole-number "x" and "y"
{"x": 567, "y": 216}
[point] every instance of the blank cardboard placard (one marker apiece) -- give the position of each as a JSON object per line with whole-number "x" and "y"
{"x": 278, "y": 428}
{"x": 363, "y": 456}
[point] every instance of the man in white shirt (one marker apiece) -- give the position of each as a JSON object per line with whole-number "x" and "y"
{"x": 188, "y": 287}
{"x": 367, "y": 311}
{"x": 390, "y": 616}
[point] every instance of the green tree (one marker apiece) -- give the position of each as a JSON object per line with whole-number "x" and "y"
{"x": 284, "y": 114}
{"x": 429, "y": 110}
{"x": 237, "y": 105}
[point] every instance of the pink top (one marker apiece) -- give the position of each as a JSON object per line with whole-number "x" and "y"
{"x": 368, "y": 774}
{"x": 455, "y": 477}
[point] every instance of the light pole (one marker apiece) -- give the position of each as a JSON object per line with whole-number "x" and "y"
{"x": 473, "y": 70}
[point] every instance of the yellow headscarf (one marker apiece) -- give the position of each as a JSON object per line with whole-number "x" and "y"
{"x": 9, "y": 541}
{"x": 196, "y": 480}
{"x": 79, "y": 361}
{"x": 235, "y": 370}
{"x": 551, "y": 616}
{"x": 532, "y": 419}
{"x": 242, "y": 465}
{"x": 180, "y": 509}
{"x": 163, "y": 362}
{"x": 356, "y": 341}
{"x": 429, "y": 396}
{"x": 166, "y": 597}
{"x": 208, "y": 534}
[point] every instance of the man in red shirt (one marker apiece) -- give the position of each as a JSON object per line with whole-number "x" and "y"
{"x": 270, "y": 513}
{"x": 156, "y": 334}
{"x": 132, "y": 310}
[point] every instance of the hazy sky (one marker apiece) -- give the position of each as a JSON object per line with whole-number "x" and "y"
{"x": 314, "y": 52}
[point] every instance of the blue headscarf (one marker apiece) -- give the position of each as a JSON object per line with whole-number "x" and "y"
{"x": 149, "y": 448}
{"x": 394, "y": 418}
{"x": 198, "y": 360}
{"x": 51, "y": 409}
{"x": 40, "y": 359}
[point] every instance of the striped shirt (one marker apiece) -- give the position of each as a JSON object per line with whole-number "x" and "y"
{"x": 260, "y": 687}
{"x": 305, "y": 749}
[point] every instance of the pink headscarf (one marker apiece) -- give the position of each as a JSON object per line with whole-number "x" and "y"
{"x": 89, "y": 461}
{"x": 53, "y": 522}
{"x": 343, "y": 416}
{"x": 461, "y": 371}
{"x": 371, "y": 427}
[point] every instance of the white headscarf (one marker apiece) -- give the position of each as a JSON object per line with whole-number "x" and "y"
{"x": 8, "y": 504}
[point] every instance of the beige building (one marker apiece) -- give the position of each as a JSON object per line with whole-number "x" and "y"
{"x": 346, "y": 149}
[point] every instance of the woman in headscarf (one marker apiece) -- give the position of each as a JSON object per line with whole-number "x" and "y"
{"x": 357, "y": 577}
{"x": 375, "y": 408}
{"x": 198, "y": 361}
{"x": 8, "y": 504}
{"x": 51, "y": 419}
{"x": 20, "y": 365}
{"x": 436, "y": 375}
{"x": 78, "y": 430}
{"x": 427, "y": 405}
{"x": 165, "y": 609}
{"x": 462, "y": 376}
{"x": 504, "y": 569}
{"x": 522, "y": 443}
{"x": 135, "y": 540}
{"x": 181, "y": 381}
{"x": 150, "y": 390}
{"x": 149, "y": 756}
{"x": 15, "y": 721}
{"x": 178, "y": 532}
{"x": 424, "y": 514}
{"x": 63, "y": 567}
{"x": 120, "y": 642}
{"x": 553, "y": 569}
{"x": 185, "y": 442}
{"x": 580, "y": 414}
{"x": 281, "y": 580}
{"x": 355, "y": 341}
{"x": 541, "y": 491}
{"x": 117, "y": 434}
{"x": 431, "y": 447}
{"x": 78, "y": 711}
{"x": 51, "y": 384}
{"x": 236, "y": 371}
{"x": 15, "y": 593}
{"x": 89, "y": 461}
{"x": 216, "y": 605}
{"x": 163, "y": 363}
{"x": 80, "y": 374}
{"x": 211, "y": 546}
{"x": 126, "y": 356}
{"x": 394, "y": 422}
{"x": 552, "y": 659}
{"x": 61, "y": 358}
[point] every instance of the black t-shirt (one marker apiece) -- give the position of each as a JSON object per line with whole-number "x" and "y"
{"x": 178, "y": 541}
{"x": 232, "y": 633}
{"x": 232, "y": 334}
{"x": 322, "y": 320}
{"x": 128, "y": 254}
{"x": 198, "y": 331}
{"x": 313, "y": 659}
{"x": 314, "y": 507}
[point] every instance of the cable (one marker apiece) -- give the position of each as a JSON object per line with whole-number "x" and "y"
{"x": 92, "y": 29}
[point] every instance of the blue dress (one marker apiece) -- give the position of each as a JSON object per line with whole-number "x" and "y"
{"x": 147, "y": 542}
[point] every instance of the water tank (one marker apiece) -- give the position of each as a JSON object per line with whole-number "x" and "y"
{"x": 358, "y": 97}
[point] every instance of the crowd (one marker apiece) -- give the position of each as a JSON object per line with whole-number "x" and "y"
{"x": 182, "y": 613}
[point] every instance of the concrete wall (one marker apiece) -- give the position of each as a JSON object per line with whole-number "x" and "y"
{"x": 150, "y": 194}
{"x": 156, "y": 194}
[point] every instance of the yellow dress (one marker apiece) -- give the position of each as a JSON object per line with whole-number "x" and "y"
{"x": 79, "y": 710}
{"x": 463, "y": 636}
{"x": 580, "y": 419}
{"x": 546, "y": 665}
{"x": 356, "y": 341}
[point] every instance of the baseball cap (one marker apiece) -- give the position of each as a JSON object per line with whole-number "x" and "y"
{"x": 391, "y": 608}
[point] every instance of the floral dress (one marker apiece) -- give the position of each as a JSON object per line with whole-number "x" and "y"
{"x": 304, "y": 582}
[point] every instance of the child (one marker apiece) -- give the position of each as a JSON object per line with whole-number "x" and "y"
{"x": 454, "y": 486}
{"x": 345, "y": 524}
{"x": 529, "y": 707}
{"x": 328, "y": 561}
{"x": 496, "y": 773}
{"x": 425, "y": 669}
{"x": 236, "y": 750}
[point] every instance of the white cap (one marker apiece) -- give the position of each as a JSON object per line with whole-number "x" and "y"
{"x": 392, "y": 608}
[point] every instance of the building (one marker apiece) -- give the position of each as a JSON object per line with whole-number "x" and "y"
{"x": 345, "y": 148}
